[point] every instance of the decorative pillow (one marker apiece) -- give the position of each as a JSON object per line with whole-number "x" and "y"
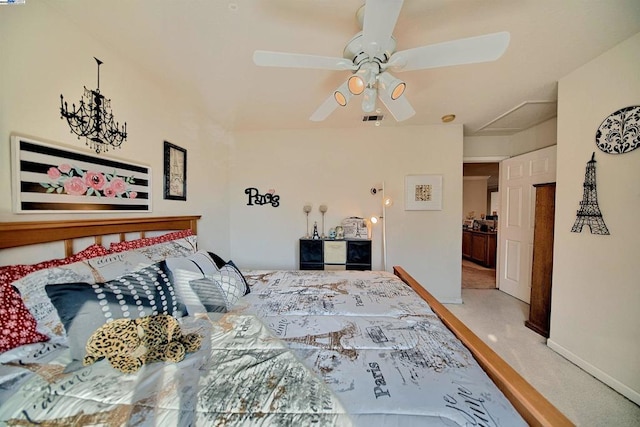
{"x": 99, "y": 269}
{"x": 84, "y": 307}
{"x": 230, "y": 269}
{"x": 184, "y": 270}
{"x": 18, "y": 327}
{"x": 149, "y": 241}
{"x": 217, "y": 293}
{"x": 227, "y": 285}
{"x": 218, "y": 260}
{"x": 11, "y": 273}
{"x": 18, "y": 324}
{"x": 181, "y": 247}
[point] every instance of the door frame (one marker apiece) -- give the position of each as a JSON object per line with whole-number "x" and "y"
{"x": 489, "y": 159}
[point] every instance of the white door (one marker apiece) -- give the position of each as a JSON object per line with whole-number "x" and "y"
{"x": 516, "y": 220}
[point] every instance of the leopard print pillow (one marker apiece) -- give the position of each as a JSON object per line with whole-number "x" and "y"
{"x": 128, "y": 344}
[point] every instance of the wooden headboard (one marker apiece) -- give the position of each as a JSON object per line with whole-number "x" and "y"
{"x": 14, "y": 234}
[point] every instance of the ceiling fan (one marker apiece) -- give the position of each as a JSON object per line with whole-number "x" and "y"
{"x": 371, "y": 55}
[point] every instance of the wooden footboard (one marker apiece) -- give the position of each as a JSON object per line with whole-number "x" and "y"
{"x": 531, "y": 405}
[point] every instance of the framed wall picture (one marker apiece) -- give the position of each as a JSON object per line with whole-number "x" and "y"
{"x": 175, "y": 172}
{"x": 423, "y": 193}
{"x": 52, "y": 178}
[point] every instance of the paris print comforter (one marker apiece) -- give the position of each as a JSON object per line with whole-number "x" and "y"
{"x": 382, "y": 350}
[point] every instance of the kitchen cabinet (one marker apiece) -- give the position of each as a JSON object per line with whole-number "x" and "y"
{"x": 480, "y": 247}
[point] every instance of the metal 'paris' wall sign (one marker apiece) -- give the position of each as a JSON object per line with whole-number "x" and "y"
{"x": 255, "y": 198}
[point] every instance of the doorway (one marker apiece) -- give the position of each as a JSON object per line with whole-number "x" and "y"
{"x": 479, "y": 240}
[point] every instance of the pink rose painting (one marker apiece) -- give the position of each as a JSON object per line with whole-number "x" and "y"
{"x": 74, "y": 181}
{"x": 75, "y": 186}
{"x": 94, "y": 180}
{"x": 64, "y": 168}
{"x": 53, "y": 173}
{"x": 54, "y": 178}
{"x": 118, "y": 186}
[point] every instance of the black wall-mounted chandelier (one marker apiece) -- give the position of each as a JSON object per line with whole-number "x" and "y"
{"x": 93, "y": 119}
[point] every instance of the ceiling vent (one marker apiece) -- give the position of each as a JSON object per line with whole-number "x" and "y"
{"x": 375, "y": 118}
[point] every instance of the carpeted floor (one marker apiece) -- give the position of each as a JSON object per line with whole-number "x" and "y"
{"x": 498, "y": 319}
{"x": 475, "y": 276}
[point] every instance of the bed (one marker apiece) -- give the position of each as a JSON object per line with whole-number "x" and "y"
{"x": 296, "y": 348}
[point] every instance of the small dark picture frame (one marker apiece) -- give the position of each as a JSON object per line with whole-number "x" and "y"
{"x": 175, "y": 172}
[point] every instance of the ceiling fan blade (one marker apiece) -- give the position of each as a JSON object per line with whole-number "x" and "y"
{"x": 329, "y": 104}
{"x": 380, "y": 17}
{"x": 488, "y": 47}
{"x": 296, "y": 60}
{"x": 324, "y": 110}
{"x": 399, "y": 108}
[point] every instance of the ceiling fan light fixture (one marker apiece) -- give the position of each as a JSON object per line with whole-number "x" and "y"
{"x": 398, "y": 91}
{"x": 394, "y": 86}
{"x": 341, "y": 98}
{"x": 372, "y": 51}
{"x": 356, "y": 84}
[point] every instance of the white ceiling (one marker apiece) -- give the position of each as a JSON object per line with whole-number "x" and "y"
{"x": 204, "y": 48}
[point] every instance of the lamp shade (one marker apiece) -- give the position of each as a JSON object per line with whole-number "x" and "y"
{"x": 356, "y": 84}
{"x": 361, "y": 79}
{"x": 394, "y": 86}
{"x": 342, "y": 97}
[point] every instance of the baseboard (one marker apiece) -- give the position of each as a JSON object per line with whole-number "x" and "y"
{"x": 450, "y": 301}
{"x": 624, "y": 390}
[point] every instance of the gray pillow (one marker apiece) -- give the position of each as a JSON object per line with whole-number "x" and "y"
{"x": 211, "y": 295}
{"x": 186, "y": 269}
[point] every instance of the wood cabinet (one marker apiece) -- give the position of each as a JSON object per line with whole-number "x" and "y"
{"x": 542, "y": 266}
{"x": 466, "y": 244}
{"x": 480, "y": 247}
{"x": 349, "y": 254}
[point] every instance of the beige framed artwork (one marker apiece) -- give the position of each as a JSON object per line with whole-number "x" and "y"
{"x": 423, "y": 193}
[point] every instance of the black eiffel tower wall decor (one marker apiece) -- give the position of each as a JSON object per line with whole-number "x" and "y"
{"x": 589, "y": 212}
